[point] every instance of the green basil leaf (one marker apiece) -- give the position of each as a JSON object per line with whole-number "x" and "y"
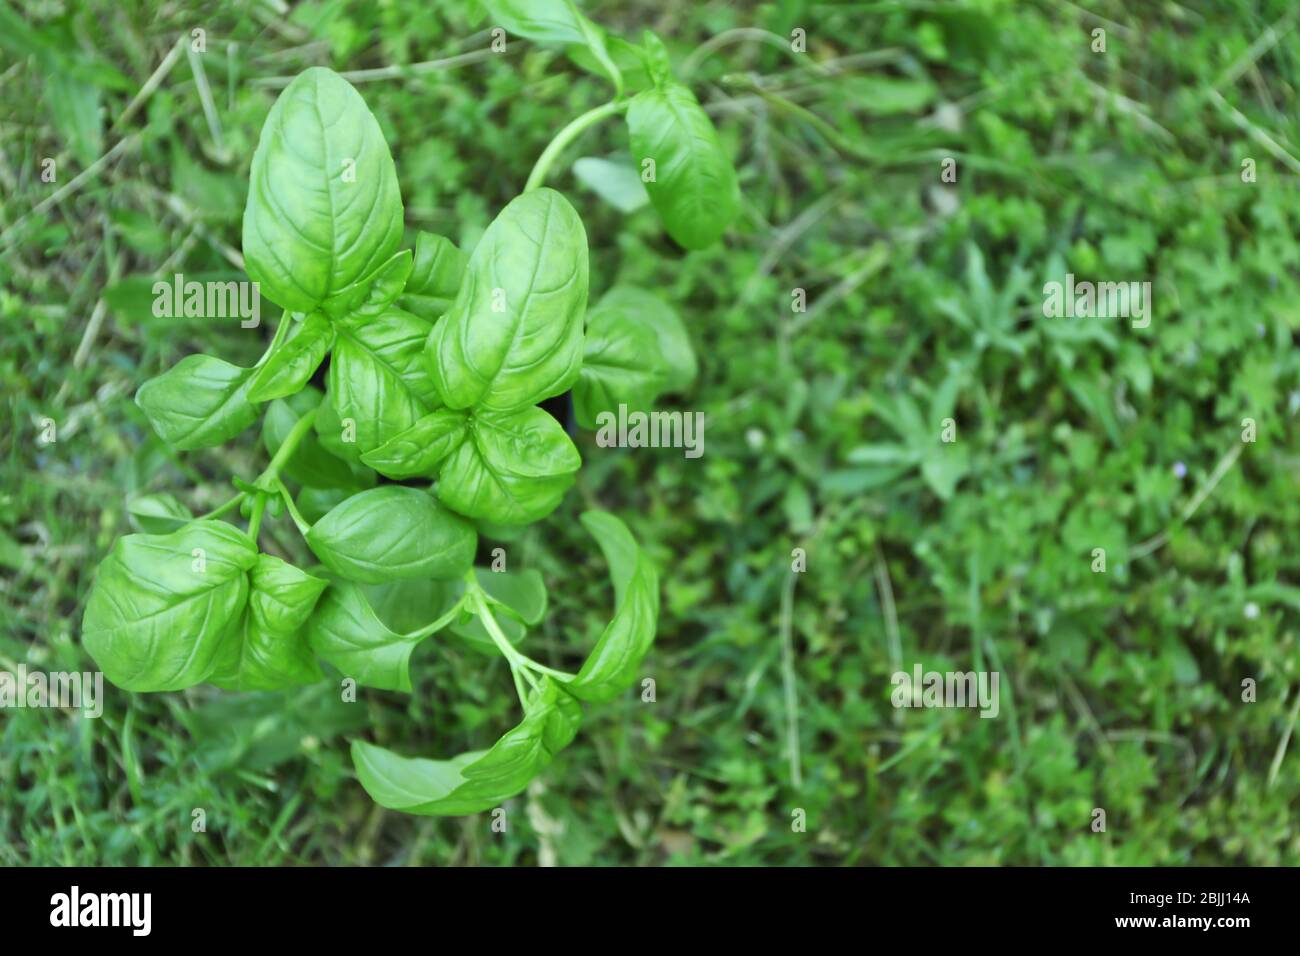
{"x": 393, "y": 532}
{"x": 621, "y": 365}
{"x": 435, "y": 277}
{"x": 162, "y": 605}
{"x": 324, "y": 209}
{"x": 615, "y": 182}
{"x": 310, "y": 464}
{"x": 513, "y": 469}
{"x": 372, "y": 295}
{"x": 377, "y": 379}
{"x": 345, "y": 632}
{"x": 694, "y": 189}
{"x": 612, "y": 665}
{"x": 419, "y": 449}
{"x": 294, "y": 361}
{"x": 675, "y": 353}
{"x": 514, "y": 334}
{"x": 654, "y": 57}
{"x": 474, "y": 781}
{"x": 269, "y": 649}
{"x": 157, "y": 513}
{"x": 200, "y": 402}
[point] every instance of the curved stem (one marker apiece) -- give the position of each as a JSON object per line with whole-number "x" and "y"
{"x": 566, "y": 136}
{"x": 294, "y": 513}
{"x": 221, "y": 509}
{"x": 437, "y": 625}
{"x": 478, "y": 600}
{"x": 290, "y": 445}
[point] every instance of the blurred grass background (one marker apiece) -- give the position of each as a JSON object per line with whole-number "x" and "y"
{"x": 1120, "y": 690}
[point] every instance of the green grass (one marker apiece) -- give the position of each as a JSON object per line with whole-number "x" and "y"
{"x": 1120, "y": 690}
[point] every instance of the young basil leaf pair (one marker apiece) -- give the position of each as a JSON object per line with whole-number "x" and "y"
{"x": 170, "y": 611}
{"x": 322, "y": 222}
{"x": 479, "y": 780}
{"x": 512, "y": 337}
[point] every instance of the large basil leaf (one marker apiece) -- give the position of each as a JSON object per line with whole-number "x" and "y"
{"x": 512, "y": 469}
{"x": 294, "y": 361}
{"x": 378, "y": 380}
{"x": 346, "y": 632}
{"x": 393, "y": 532}
{"x": 474, "y": 781}
{"x": 269, "y": 649}
{"x": 694, "y": 190}
{"x": 323, "y": 207}
{"x": 310, "y": 464}
{"x": 419, "y": 449}
{"x": 162, "y": 605}
{"x": 514, "y": 334}
{"x": 612, "y": 665}
{"x": 435, "y": 277}
{"x": 200, "y": 402}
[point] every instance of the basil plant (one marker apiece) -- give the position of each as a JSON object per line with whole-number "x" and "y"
{"x": 427, "y": 434}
